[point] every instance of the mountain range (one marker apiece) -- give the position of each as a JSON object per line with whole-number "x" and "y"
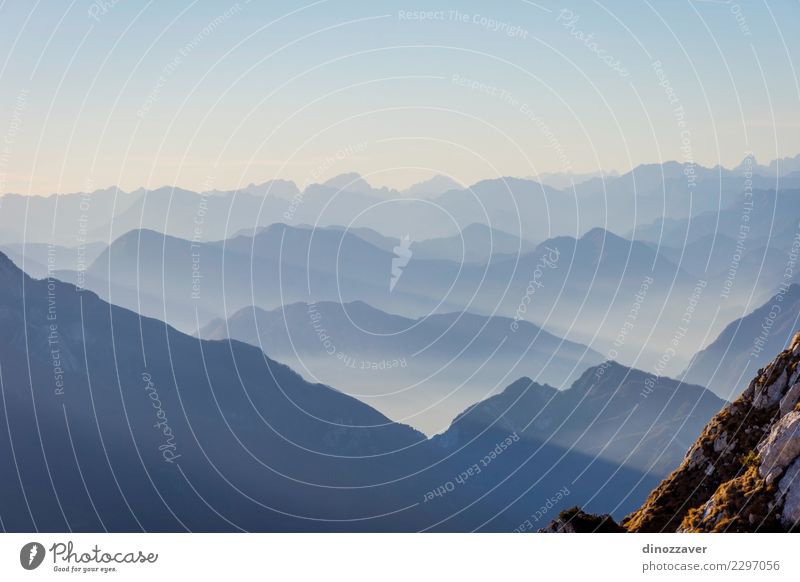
{"x": 341, "y": 357}
{"x": 740, "y": 475}
{"x": 590, "y": 290}
{"x": 141, "y": 427}
{"x": 746, "y": 345}
{"x": 638, "y": 200}
{"x": 421, "y": 371}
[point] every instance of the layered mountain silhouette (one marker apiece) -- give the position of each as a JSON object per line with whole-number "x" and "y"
{"x": 742, "y": 474}
{"x": 423, "y": 371}
{"x": 612, "y": 412}
{"x": 746, "y": 345}
{"x": 187, "y": 283}
{"x": 112, "y": 421}
{"x": 650, "y": 193}
{"x": 771, "y": 221}
{"x": 399, "y": 313}
{"x": 39, "y": 259}
{"x": 103, "y": 215}
{"x": 582, "y": 289}
{"x": 476, "y": 243}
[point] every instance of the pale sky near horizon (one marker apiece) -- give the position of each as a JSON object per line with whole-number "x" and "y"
{"x": 220, "y": 94}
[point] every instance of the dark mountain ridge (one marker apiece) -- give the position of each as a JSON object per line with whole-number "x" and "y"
{"x": 112, "y": 421}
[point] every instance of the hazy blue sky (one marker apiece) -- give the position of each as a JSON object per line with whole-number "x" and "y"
{"x": 220, "y": 94}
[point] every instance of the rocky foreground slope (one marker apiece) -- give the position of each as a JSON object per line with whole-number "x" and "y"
{"x": 741, "y": 475}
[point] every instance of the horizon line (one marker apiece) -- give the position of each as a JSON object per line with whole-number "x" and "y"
{"x": 586, "y": 175}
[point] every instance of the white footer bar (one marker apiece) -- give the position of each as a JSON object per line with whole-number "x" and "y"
{"x": 403, "y": 557}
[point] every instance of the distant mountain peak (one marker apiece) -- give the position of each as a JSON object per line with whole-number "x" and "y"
{"x": 279, "y": 227}
{"x": 433, "y": 186}
{"x": 747, "y": 161}
{"x": 599, "y": 233}
{"x": 349, "y": 182}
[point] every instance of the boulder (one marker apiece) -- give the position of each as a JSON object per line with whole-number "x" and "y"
{"x": 781, "y": 447}
{"x": 789, "y": 487}
{"x": 769, "y": 395}
{"x": 789, "y": 401}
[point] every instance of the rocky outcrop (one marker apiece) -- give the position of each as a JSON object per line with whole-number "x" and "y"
{"x": 743, "y": 472}
{"x": 574, "y": 520}
{"x": 780, "y": 448}
{"x": 789, "y": 487}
